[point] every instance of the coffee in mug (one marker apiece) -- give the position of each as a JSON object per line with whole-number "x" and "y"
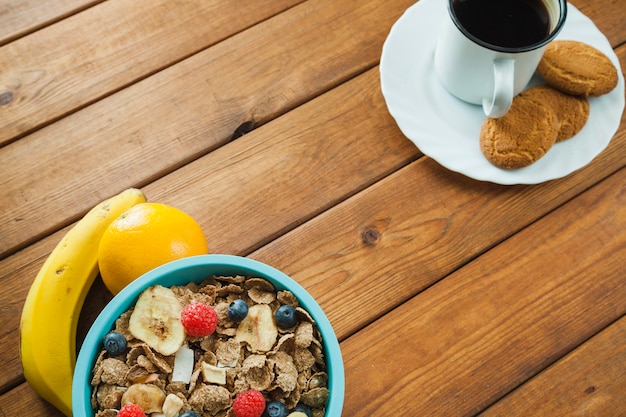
{"x": 504, "y": 23}
{"x": 488, "y": 50}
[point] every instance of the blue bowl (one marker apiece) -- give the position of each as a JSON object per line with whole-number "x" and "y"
{"x": 196, "y": 269}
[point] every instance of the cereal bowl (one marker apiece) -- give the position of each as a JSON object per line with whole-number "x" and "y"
{"x": 196, "y": 270}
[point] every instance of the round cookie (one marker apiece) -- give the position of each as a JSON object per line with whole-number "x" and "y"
{"x": 522, "y": 136}
{"x": 577, "y": 68}
{"x": 572, "y": 112}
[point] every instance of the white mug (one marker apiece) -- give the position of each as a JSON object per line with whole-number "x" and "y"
{"x": 487, "y": 54}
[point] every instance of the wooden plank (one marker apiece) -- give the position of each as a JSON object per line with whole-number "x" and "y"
{"x": 463, "y": 343}
{"x": 285, "y": 159}
{"x": 20, "y": 17}
{"x": 590, "y": 381}
{"x": 23, "y": 398}
{"x": 193, "y": 107}
{"x": 87, "y": 56}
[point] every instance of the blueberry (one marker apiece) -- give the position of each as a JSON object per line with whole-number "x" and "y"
{"x": 275, "y": 409}
{"x": 189, "y": 414}
{"x": 286, "y": 317}
{"x": 115, "y": 343}
{"x": 237, "y": 310}
{"x": 303, "y": 409}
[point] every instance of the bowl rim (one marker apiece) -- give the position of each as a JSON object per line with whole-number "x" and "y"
{"x": 180, "y": 272}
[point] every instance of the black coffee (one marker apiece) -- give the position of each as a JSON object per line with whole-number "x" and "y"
{"x": 504, "y": 23}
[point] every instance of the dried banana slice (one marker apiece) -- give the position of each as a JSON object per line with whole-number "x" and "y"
{"x": 156, "y": 320}
{"x": 258, "y": 329}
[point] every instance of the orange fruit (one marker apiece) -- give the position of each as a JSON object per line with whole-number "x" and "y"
{"x": 144, "y": 237}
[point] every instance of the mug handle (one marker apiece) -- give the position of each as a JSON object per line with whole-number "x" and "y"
{"x": 504, "y": 83}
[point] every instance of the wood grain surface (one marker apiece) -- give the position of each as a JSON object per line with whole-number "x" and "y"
{"x": 199, "y": 103}
{"x": 265, "y": 121}
{"x": 21, "y": 17}
{"x": 64, "y": 67}
{"x": 498, "y": 321}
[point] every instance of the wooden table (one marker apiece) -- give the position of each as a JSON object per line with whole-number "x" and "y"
{"x": 265, "y": 121}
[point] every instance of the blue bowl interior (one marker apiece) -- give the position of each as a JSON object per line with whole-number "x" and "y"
{"x": 197, "y": 269}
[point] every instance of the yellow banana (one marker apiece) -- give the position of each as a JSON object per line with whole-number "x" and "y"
{"x": 54, "y": 301}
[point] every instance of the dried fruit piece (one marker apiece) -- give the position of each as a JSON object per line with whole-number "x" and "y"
{"x": 172, "y": 405}
{"x": 140, "y": 375}
{"x": 213, "y": 374}
{"x": 183, "y": 365}
{"x": 147, "y": 396}
{"x": 156, "y": 320}
{"x": 258, "y": 329}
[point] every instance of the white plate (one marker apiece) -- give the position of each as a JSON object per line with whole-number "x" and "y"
{"x": 447, "y": 129}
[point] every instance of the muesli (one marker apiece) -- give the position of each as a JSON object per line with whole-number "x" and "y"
{"x": 260, "y": 339}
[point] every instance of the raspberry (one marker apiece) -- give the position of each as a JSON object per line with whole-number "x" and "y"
{"x": 199, "y": 319}
{"x": 131, "y": 410}
{"x": 249, "y": 403}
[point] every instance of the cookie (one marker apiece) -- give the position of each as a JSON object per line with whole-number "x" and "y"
{"x": 577, "y": 68}
{"x": 571, "y": 111}
{"x": 522, "y": 136}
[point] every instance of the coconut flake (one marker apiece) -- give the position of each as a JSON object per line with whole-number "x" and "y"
{"x": 183, "y": 365}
